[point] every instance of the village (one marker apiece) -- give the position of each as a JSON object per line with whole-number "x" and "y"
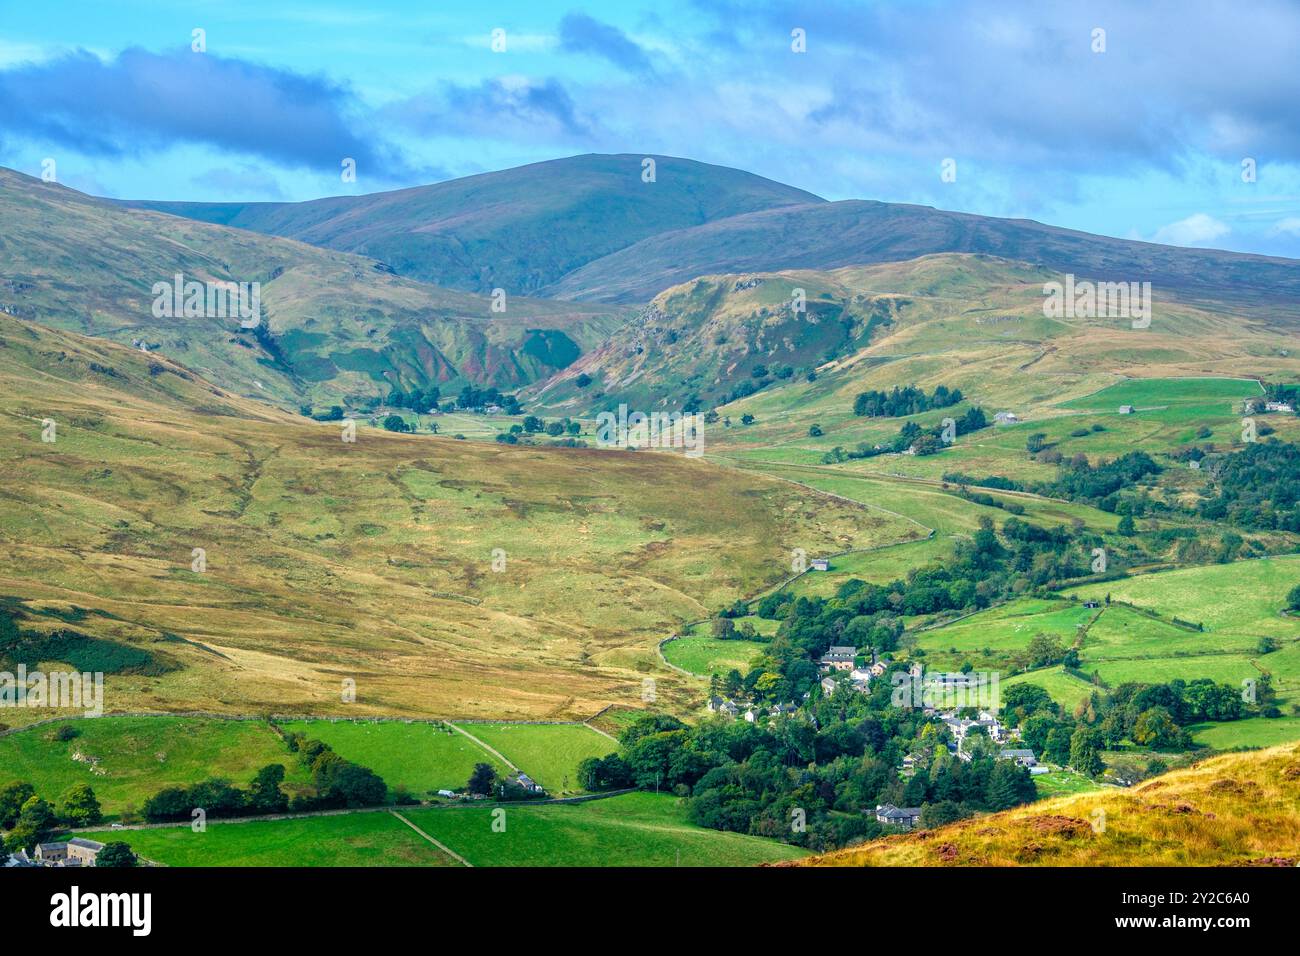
{"x": 966, "y": 734}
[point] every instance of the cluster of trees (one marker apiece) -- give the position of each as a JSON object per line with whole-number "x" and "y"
{"x": 1079, "y": 480}
{"x": 484, "y": 781}
{"x": 337, "y": 782}
{"x": 908, "y": 400}
{"x": 219, "y": 798}
{"x": 1258, "y": 487}
{"x": 535, "y": 425}
{"x": 923, "y": 441}
{"x": 812, "y": 779}
{"x": 1287, "y": 394}
{"x": 30, "y": 819}
{"x": 471, "y": 396}
{"x": 419, "y": 400}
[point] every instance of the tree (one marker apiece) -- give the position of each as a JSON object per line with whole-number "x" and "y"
{"x": 395, "y": 423}
{"x": 1085, "y": 752}
{"x": 482, "y": 780}
{"x": 724, "y": 628}
{"x": 1156, "y": 729}
{"x": 533, "y": 424}
{"x": 79, "y": 807}
{"x": 35, "y": 823}
{"x": 747, "y": 419}
{"x": 815, "y": 431}
{"x": 583, "y": 380}
{"x": 12, "y": 797}
{"x": 1293, "y": 598}
{"x": 116, "y": 855}
{"x": 265, "y": 795}
{"x": 1126, "y": 526}
{"x": 555, "y": 429}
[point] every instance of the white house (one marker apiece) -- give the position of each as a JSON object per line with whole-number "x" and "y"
{"x": 1006, "y": 418}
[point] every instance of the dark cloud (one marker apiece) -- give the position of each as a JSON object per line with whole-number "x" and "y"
{"x": 580, "y": 33}
{"x": 142, "y": 100}
{"x": 502, "y": 109}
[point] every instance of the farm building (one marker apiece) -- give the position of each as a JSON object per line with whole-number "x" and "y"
{"x": 820, "y": 564}
{"x": 75, "y": 852}
{"x": 1126, "y": 409}
{"x": 907, "y": 817}
{"x": 839, "y": 658}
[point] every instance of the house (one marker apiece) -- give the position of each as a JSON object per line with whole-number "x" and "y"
{"x": 861, "y": 676}
{"x": 751, "y": 715}
{"x": 715, "y": 704}
{"x": 1005, "y": 418}
{"x": 1093, "y": 604}
{"x": 1126, "y": 409}
{"x": 1278, "y": 407}
{"x": 891, "y": 815}
{"x": 828, "y": 686}
{"x": 447, "y": 793}
{"x": 879, "y": 667}
{"x": 820, "y": 564}
{"x": 728, "y": 709}
{"x": 525, "y": 782}
{"x": 1023, "y": 757}
{"x": 839, "y": 658}
{"x": 75, "y": 852}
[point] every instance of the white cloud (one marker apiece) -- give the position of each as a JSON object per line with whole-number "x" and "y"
{"x": 1290, "y": 226}
{"x": 1196, "y": 230}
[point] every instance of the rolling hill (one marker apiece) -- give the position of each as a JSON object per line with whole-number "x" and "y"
{"x": 519, "y": 229}
{"x": 341, "y": 327}
{"x": 1238, "y": 809}
{"x": 371, "y": 560}
{"x": 969, "y": 321}
{"x": 859, "y": 232}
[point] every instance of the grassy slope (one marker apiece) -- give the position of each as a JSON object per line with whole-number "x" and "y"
{"x": 418, "y": 756}
{"x": 637, "y": 829}
{"x": 370, "y": 560}
{"x": 549, "y": 753}
{"x": 352, "y": 839}
{"x": 128, "y": 759}
{"x": 1230, "y": 810}
{"x": 347, "y": 327}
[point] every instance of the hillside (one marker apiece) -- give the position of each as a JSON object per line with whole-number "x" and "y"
{"x": 519, "y": 229}
{"x": 969, "y": 321}
{"x": 342, "y": 327}
{"x": 1238, "y": 809}
{"x": 859, "y": 232}
{"x": 370, "y": 560}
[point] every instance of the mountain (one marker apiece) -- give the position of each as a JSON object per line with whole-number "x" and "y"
{"x": 338, "y": 328}
{"x": 969, "y": 321}
{"x": 371, "y": 560}
{"x": 518, "y": 229}
{"x": 1239, "y": 809}
{"x": 828, "y": 235}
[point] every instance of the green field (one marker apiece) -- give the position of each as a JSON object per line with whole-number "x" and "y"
{"x": 1000, "y": 631}
{"x": 352, "y": 839}
{"x": 1254, "y": 732}
{"x": 1060, "y": 782}
{"x": 1241, "y": 598}
{"x": 1143, "y": 393}
{"x": 421, "y": 757}
{"x": 636, "y": 829}
{"x": 128, "y": 759}
{"x": 709, "y": 655}
{"x": 549, "y": 753}
{"x": 1066, "y": 689}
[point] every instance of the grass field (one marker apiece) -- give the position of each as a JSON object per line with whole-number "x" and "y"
{"x": 994, "y": 634}
{"x": 418, "y": 756}
{"x": 352, "y": 839}
{"x": 636, "y": 829}
{"x": 128, "y": 759}
{"x": 1060, "y": 782}
{"x": 709, "y": 655}
{"x": 549, "y": 753}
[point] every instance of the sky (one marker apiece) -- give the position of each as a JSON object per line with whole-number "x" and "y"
{"x": 1171, "y": 120}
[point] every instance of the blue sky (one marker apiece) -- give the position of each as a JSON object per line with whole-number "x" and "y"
{"x": 1145, "y": 139}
